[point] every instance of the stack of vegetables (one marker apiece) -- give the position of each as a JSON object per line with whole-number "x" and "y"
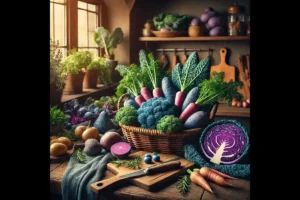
{"x": 179, "y": 101}
{"x": 214, "y": 22}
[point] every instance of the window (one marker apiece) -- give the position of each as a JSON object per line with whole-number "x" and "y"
{"x": 88, "y": 21}
{"x": 58, "y": 23}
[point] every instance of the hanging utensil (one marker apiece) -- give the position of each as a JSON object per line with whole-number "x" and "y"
{"x": 184, "y": 57}
{"x": 164, "y": 60}
{"x": 175, "y": 60}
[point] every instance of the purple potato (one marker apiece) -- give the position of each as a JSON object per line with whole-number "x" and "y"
{"x": 217, "y": 31}
{"x": 209, "y": 9}
{"x": 206, "y": 16}
{"x": 195, "y": 22}
{"x": 215, "y": 21}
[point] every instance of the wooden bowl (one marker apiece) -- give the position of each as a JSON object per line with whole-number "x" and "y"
{"x": 169, "y": 33}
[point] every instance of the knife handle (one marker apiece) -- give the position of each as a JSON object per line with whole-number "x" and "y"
{"x": 100, "y": 185}
{"x": 163, "y": 167}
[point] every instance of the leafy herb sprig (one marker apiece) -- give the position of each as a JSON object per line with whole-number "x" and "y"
{"x": 132, "y": 164}
{"x": 79, "y": 156}
{"x": 184, "y": 184}
{"x": 57, "y": 116}
{"x": 215, "y": 89}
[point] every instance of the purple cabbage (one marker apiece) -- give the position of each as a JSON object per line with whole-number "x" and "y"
{"x": 224, "y": 142}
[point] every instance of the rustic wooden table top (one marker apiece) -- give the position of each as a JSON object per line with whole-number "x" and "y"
{"x": 241, "y": 191}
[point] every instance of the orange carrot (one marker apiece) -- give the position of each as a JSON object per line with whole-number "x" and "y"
{"x": 220, "y": 173}
{"x": 213, "y": 176}
{"x": 199, "y": 180}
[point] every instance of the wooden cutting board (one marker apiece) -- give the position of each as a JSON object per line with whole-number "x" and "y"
{"x": 224, "y": 67}
{"x": 156, "y": 181}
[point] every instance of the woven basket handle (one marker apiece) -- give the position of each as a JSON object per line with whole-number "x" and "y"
{"x": 121, "y": 100}
{"x": 213, "y": 111}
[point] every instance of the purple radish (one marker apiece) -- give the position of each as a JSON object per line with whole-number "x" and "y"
{"x": 145, "y": 93}
{"x": 120, "y": 149}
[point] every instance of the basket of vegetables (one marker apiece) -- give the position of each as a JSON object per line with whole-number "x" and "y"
{"x": 180, "y": 107}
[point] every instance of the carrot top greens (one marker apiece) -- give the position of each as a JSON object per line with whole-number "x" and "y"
{"x": 215, "y": 89}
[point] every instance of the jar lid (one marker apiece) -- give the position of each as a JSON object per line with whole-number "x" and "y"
{"x": 234, "y": 9}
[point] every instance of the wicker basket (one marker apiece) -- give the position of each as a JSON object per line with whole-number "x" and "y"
{"x": 154, "y": 140}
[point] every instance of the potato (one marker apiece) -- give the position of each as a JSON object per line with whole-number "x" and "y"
{"x": 79, "y": 130}
{"x": 65, "y": 141}
{"x": 217, "y": 31}
{"x": 58, "y": 149}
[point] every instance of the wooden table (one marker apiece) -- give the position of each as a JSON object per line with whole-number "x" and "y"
{"x": 240, "y": 192}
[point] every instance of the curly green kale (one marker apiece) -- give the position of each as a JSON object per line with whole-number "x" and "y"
{"x": 170, "y": 124}
{"x": 171, "y": 21}
{"x": 127, "y": 115}
{"x": 153, "y": 110}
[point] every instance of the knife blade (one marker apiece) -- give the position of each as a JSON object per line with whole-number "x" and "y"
{"x": 142, "y": 171}
{"x": 168, "y": 165}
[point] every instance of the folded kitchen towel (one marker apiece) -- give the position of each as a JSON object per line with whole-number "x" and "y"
{"x": 79, "y": 176}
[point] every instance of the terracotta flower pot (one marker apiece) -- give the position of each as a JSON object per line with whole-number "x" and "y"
{"x": 74, "y": 83}
{"x": 90, "y": 78}
{"x": 55, "y": 95}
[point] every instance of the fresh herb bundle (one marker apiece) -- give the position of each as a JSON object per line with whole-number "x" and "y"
{"x": 216, "y": 88}
{"x": 79, "y": 156}
{"x": 184, "y": 184}
{"x": 57, "y": 116}
{"x": 132, "y": 164}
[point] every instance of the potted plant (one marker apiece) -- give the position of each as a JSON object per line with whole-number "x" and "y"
{"x": 92, "y": 72}
{"x": 57, "y": 79}
{"x": 73, "y": 67}
{"x": 57, "y": 120}
{"x": 109, "y": 42}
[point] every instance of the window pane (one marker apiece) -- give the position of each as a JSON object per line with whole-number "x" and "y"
{"x": 58, "y": 1}
{"x": 51, "y": 21}
{"x": 64, "y": 52}
{"x": 92, "y": 42}
{"x": 92, "y": 7}
{"x": 82, "y": 28}
{"x": 92, "y": 21}
{"x": 59, "y": 23}
{"x": 82, "y": 5}
{"x": 83, "y": 49}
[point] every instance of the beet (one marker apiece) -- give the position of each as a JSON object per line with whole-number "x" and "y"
{"x": 92, "y": 147}
{"x": 110, "y": 138}
{"x": 120, "y": 149}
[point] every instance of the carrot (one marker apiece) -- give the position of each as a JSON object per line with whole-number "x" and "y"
{"x": 157, "y": 92}
{"x": 179, "y": 98}
{"x": 145, "y": 93}
{"x": 188, "y": 111}
{"x": 139, "y": 99}
{"x": 213, "y": 176}
{"x": 222, "y": 174}
{"x": 198, "y": 179}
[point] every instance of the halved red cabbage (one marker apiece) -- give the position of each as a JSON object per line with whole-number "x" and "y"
{"x": 224, "y": 142}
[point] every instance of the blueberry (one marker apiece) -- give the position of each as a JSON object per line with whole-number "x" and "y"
{"x": 156, "y": 158}
{"x": 147, "y": 160}
{"x": 148, "y": 155}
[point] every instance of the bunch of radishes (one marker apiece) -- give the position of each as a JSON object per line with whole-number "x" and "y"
{"x": 214, "y": 23}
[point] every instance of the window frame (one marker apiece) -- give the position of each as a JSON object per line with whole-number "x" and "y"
{"x": 72, "y": 21}
{"x": 97, "y": 3}
{"x": 66, "y": 18}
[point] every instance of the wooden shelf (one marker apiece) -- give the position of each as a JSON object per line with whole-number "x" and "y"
{"x": 227, "y": 110}
{"x": 204, "y": 38}
{"x": 101, "y": 90}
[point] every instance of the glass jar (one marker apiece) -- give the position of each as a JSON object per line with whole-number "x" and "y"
{"x": 236, "y": 21}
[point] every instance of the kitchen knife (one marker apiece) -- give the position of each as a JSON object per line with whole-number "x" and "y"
{"x": 166, "y": 166}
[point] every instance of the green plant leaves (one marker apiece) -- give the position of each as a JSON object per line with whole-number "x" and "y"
{"x": 101, "y": 37}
